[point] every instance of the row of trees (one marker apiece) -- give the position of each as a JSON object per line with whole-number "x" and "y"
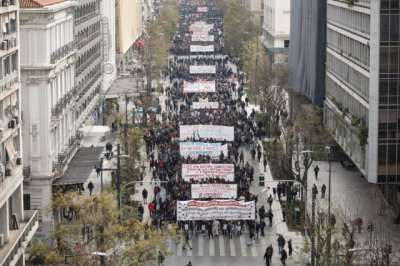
{"x": 157, "y": 42}
{"x": 90, "y": 224}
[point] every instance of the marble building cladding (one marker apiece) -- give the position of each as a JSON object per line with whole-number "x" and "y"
{"x": 89, "y": 58}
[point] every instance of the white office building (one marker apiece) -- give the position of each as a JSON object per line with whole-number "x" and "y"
{"x": 276, "y": 28}
{"x": 362, "y": 86}
{"x": 48, "y": 97}
{"x": 17, "y": 226}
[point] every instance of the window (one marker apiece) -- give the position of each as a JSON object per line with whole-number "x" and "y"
{"x": 286, "y": 43}
{"x": 7, "y": 69}
{"x": 27, "y": 202}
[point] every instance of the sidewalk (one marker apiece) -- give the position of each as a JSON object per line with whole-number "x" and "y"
{"x": 279, "y": 227}
{"x": 355, "y": 197}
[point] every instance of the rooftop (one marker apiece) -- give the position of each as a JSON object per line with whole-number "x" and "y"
{"x": 38, "y": 3}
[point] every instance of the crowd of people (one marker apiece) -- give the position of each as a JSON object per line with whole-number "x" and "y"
{"x": 163, "y": 143}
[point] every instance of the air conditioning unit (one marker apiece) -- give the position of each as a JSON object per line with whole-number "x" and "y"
{"x": 2, "y": 240}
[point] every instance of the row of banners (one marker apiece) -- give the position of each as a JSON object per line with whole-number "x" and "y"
{"x": 217, "y": 133}
{"x": 205, "y": 105}
{"x": 193, "y": 210}
{"x": 199, "y": 172}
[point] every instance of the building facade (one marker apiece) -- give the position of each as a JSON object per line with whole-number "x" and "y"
{"x": 362, "y": 85}
{"x": 276, "y": 28}
{"x": 89, "y": 59}
{"x": 17, "y": 225}
{"x": 256, "y": 7}
{"x": 109, "y": 44}
{"x": 307, "y": 49}
{"x": 130, "y": 21}
{"x": 49, "y": 96}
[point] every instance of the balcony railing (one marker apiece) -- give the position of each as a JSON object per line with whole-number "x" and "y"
{"x": 61, "y": 52}
{"x": 64, "y": 157}
{"x": 19, "y": 238}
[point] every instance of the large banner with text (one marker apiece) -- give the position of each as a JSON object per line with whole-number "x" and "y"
{"x": 197, "y": 132}
{"x": 199, "y": 172}
{"x": 214, "y": 191}
{"x": 193, "y": 210}
{"x": 195, "y": 149}
{"x": 202, "y": 69}
{"x": 199, "y": 86}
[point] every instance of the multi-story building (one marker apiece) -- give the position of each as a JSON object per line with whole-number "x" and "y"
{"x": 88, "y": 39}
{"x": 130, "y": 22}
{"x": 276, "y": 29}
{"x": 109, "y": 53}
{"x": 362, "y": 85}
{"x": 17, "y": 225}
{"x": 307, "y": 49}
{"x": 48, "y": 96}
{"x": 256, "y": 7}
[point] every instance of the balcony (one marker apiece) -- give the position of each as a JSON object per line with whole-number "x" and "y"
{"x": 18, "y": 239}
{"x": 61, "y": 52}
{"x": 8, "y": 6}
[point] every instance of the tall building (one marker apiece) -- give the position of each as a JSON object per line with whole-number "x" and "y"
{"x": 130, "y": 22}
{"x": 256, "y": 7}
{"x": 276, "y": 29}
{"x": 307, "y": 49}
{"x": 49, "y": 97}
{"x": 362, "y": 85}
{"x": 17, "y": 225}
{"x": 88, "y": 62}
{"x": 109, "y": 53}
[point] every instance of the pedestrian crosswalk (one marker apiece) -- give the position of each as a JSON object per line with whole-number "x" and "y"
{"x": 220, "y": 246}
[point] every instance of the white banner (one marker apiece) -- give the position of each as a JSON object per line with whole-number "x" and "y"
{"x": 202, "y": 9}
{"x": 194, "y": 210}
{"x": 205, "y": 105}
{"x": 201, "y": 48}
{"x": 202, "y": 37}
{"x": 196, "y": 132}
{"x": 214, "y": 191}
{"x": 195, "y": 149}
{"x": 199, "y": 86}
{"x": 203, "y": 69}
{"x": 203, "y": 171}
{"x": 200, "y": 27}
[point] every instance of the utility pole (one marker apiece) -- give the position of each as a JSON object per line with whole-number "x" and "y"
{"x": 101, "y": 174}
{"x": 329, "y": 235}
{"x": 126, "y": 123}
{"x": 313, "y": 251}
{"x": 119, "y": 180}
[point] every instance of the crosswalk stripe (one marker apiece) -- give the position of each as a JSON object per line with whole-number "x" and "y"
{"x": 232, "y": 247}
{"x": 243, "y": 246}
{"x": 221, "y": 246}
{"x": 189, "y": 250}
{"x": 201, "y": 245}
{"x": 211, "y": 248}
{"x": 253, "y": 250}
{"x": 179, "y": 248}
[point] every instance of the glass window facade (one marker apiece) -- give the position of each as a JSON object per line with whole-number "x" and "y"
{"x": 389, "y": 93}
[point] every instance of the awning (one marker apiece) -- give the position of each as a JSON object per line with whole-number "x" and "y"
{"x": 81, "y": 166}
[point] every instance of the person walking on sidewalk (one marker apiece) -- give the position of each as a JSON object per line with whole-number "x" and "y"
{"x": 281, "y": 242}
{"x": 283, "y": 256}
{"x": 265, "y": 164}
{"x": 323, "y": 190}
{"x": 316, "y": 170}
{"x": 261, "y": 213}
{"x": 144, "y": 195}
{"x": 241, "y": 157}
{"x": 270, "y": 200}
{"x": 270, "y": 216}
{"x": 268, "y": 255}
{"x": 290, "y": 247}
{"x": 90, "y": 187}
